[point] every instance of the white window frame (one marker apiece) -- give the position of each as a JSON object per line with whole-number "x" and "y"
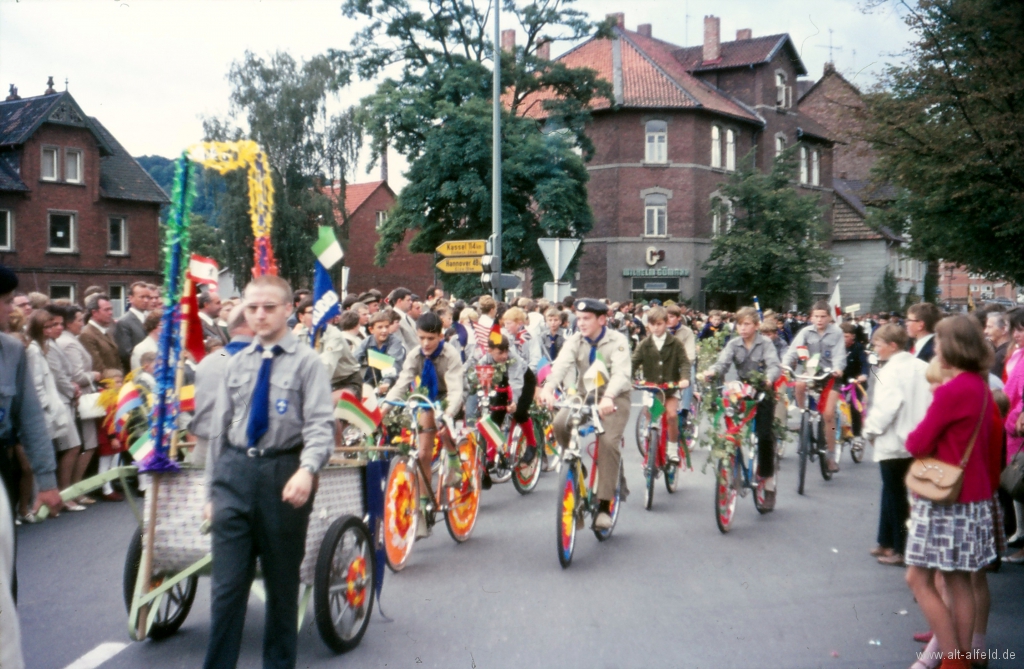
{"x": 8, "y": 243}
{"x": 73, "y": 247}
{"x": 783, "y": 91}
{"x": 656, "y": 216}
{"x": 656, "y": 142}
{"x": 118, "y": 303}
{"x": 61, "y": 284}
{"x": 730, "y": 150}
{"x": 816, "y": 167}
{"x": 124, "y": 235}
{"x": 380, "y": 219}
{"x": 803, "y": 165}
{"x": 716, "y": 214}
{"x": 716, "y": 146}
{"x": 55, "y": 152}
{"x": 79, "y": 157}
{"x": 780, "y": 144}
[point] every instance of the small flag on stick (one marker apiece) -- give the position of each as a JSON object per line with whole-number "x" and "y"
{"x": 327, "y": 249}
{"x": 350, "y": 409}
{"x": 378, "y": 360}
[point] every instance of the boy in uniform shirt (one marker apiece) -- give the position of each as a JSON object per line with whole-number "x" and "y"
{"x": 662, "y": 358}
{"x": 274, "y": 427}
{"x": 579, "y": 353}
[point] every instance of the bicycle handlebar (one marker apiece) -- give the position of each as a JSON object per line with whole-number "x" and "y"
{"x": 808, "y": 377}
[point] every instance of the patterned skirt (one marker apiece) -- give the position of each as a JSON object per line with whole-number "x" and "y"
{"x": 957, "y": 537}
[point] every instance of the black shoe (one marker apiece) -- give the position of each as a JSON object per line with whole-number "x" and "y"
{"x": 486, "y": 482}
{"x": 529, "y": 455}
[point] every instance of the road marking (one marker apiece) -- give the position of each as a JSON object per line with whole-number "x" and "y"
{"x": 98, "y": 655}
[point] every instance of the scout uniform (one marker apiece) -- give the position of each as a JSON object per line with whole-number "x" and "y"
{"x": 255, "y": 453}
{"x": 578, "y": 353}
{"x": 450, "y": 382}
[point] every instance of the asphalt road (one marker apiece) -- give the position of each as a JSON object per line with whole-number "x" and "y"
{"x": 794, "y": 588}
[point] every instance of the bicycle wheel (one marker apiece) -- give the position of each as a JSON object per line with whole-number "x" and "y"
{"x": 568, "y": 511}
{"x": 524, "y": 476}
{"x": 857, "y": 450}
{"x": 464, "y": 501}
{"x": 673, "y": 473}
{"x": 804, "y": 451}
{"x": 343, "y": 586}
{"x": 651, "y": 440}
{"x": 604, "y": 535}
{"x": 823, "y": 451}
{"x": 173, "y": 607}
{"x": 501, "y": 472}
{"x": 401, "y": 499}
{"x": 552, "y": 452}
{"x": 725, "y": 493}
{"x": 643, "y": 421}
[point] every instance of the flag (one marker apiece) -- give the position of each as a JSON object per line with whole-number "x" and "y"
{"x": 194, "y": 342}
{"x": 597, "y": 375}
{"x": 657, "y": 408}
{"x": 203, "y": 270}
{"x": 325, "y": 300}
{"x": 378, "y": 360}
{"x": 350, "y": 409}
{"x": 543, "y": 369}
{"x": 757, "y": 305}
{"x": 142, "y": 449}
{"x": 327, "y": 249}
{"x": 491, "y": 431}
{"x": 187, "y": 398}
{"x": 128, "y": 398}
{"x": 836, "y": 303}
{"x": 482, "y": 328}
{"x": 495, "y": 336}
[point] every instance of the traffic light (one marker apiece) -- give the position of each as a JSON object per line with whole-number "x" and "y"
{"x": 491, "y": 266}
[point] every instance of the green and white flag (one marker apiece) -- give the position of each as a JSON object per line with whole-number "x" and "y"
{"x": 327, "y": 249}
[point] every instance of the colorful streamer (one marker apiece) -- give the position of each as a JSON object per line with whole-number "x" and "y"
{"x": 227, "y": 156}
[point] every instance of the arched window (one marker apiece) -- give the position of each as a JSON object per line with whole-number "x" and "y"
{"x": 657, "y": 142}
{"x": 803, "y": 164}
{"x": 780, "y": 144}
{"x": 716, "y": 146}
{"x": 730, "y": 149}
{"x": 816, "y": 167}
{"x": 655, "y": 215}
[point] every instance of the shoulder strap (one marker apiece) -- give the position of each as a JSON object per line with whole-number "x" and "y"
{"x": 977, "y": 428}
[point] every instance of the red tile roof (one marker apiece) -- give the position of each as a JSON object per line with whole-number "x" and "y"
{"x": 357, "y": 194}
{"x": 740, "y": 53}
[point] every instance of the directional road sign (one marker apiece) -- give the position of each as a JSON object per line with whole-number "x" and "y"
{"x": 466, "y": 247}
{"x": 460, "y": 265}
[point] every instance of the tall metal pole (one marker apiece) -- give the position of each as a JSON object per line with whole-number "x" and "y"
{"x": 496, "y": 167}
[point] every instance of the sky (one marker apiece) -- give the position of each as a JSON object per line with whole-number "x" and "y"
{"x": 151, "y": 70}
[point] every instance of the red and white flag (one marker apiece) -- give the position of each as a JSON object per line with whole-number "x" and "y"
{"x": 203, "y": 270}
{"x": 836, "y": 303}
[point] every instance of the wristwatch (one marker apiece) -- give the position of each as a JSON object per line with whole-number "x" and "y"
{"x": 309, "y": 468}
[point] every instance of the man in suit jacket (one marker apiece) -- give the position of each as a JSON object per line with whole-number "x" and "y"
{"x": 401, "y": 300}
{"x": 130, "y": 330}
{"x": 209, "y": 311}
{"x": 98, "y": 335}
{"x": 921, "y": 321}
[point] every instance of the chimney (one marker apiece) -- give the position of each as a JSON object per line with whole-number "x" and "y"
{"x": 544, "y": 49}
{"x": 620, "y": 19}
{"x": 712, "y": 39}
{"x": 830, "y": 68}
{"x": 49, "y": 87}
{"x": 13, "y": 95}
{"x": 743, "y": 33}
{"x": 508, "y": 40}
{"x": 644, "y": 29}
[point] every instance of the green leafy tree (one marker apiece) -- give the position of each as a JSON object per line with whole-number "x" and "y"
{"x": 770, "y": 241}
{"x": 436, "y": 110}
{"x": 284, "y": 107}
{"x": 887, "y": 293}
{"x": 949, "y": 130}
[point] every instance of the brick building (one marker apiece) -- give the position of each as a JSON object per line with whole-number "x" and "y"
{"x": 681, "y": 119}
{"x": 367, "y": 206}
{"x": 76, "y": 209}
{"x": 956, "y": 284}
{"x": 863, "y": 252}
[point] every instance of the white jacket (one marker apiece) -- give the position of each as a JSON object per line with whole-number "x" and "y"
{"x": 901, "y": 399}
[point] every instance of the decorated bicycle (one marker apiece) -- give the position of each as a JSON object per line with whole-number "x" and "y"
{"x": 653, "y": 442}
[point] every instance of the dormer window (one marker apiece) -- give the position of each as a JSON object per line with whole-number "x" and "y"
{"x": 716, "y": 146}
{"x": 783, "y": 91}
{"x": 657, "y": 142}
{"x": 48, "y": 166}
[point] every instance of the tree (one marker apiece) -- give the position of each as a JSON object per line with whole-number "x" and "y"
{"x": 887, "y": 293}
{"x": 437, "y": 111}
{"x": 284, "y": 105}
{"x": 949, "y": 130}
{"x": 770, "y": 242}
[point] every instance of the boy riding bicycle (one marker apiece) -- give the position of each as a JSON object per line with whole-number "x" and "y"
{"x": 662, "y": 359}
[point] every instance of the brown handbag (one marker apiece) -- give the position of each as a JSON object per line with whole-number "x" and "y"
{"x": 940, "y": 481}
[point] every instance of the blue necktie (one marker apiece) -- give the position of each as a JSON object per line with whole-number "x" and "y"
{"x": 593, "y": 345}
{"x": 259, "y": 411}
{"x": 553, "y": 346}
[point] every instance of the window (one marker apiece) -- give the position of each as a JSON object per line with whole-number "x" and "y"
{"x": 73, "y": 166}
{"x": 657, "y": 142}
{"x": 117, "y": 300}
{"x": 117, "y": 228}
{"x": 6, "y": 233}
{"x": 730, "y": 150}
{"x": 803, "y": 164}
{"x": 816, "y": 167}
{"x": 780, "y": 145}
{"x": 48, "y": 168}
{"x": 721, "y": 209}
{"x": 783, "y": 92}
{"x": 62, "y": 233}
{"x": 62, "y": 291}
{"x": 382, "y": 218}
{"x": 655, "y": 216}
{"x": 716, "y": 146}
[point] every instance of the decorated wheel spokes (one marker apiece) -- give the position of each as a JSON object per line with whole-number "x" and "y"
{"x": 355, "y": 583}
{"x": 568, "y": 512}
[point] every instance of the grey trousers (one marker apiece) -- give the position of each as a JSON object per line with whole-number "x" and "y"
{"x": 608, "y": 447}
{"x": 250, "y": 521}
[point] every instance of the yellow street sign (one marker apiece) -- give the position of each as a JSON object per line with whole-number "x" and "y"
{"x": 460, "y": 265}
{"x": 469, "y": 247}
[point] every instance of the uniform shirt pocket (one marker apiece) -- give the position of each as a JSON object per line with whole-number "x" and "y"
{"x": 286, "y": 406}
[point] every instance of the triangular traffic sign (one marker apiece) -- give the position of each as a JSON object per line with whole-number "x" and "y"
{"x": 561, "y": 248}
